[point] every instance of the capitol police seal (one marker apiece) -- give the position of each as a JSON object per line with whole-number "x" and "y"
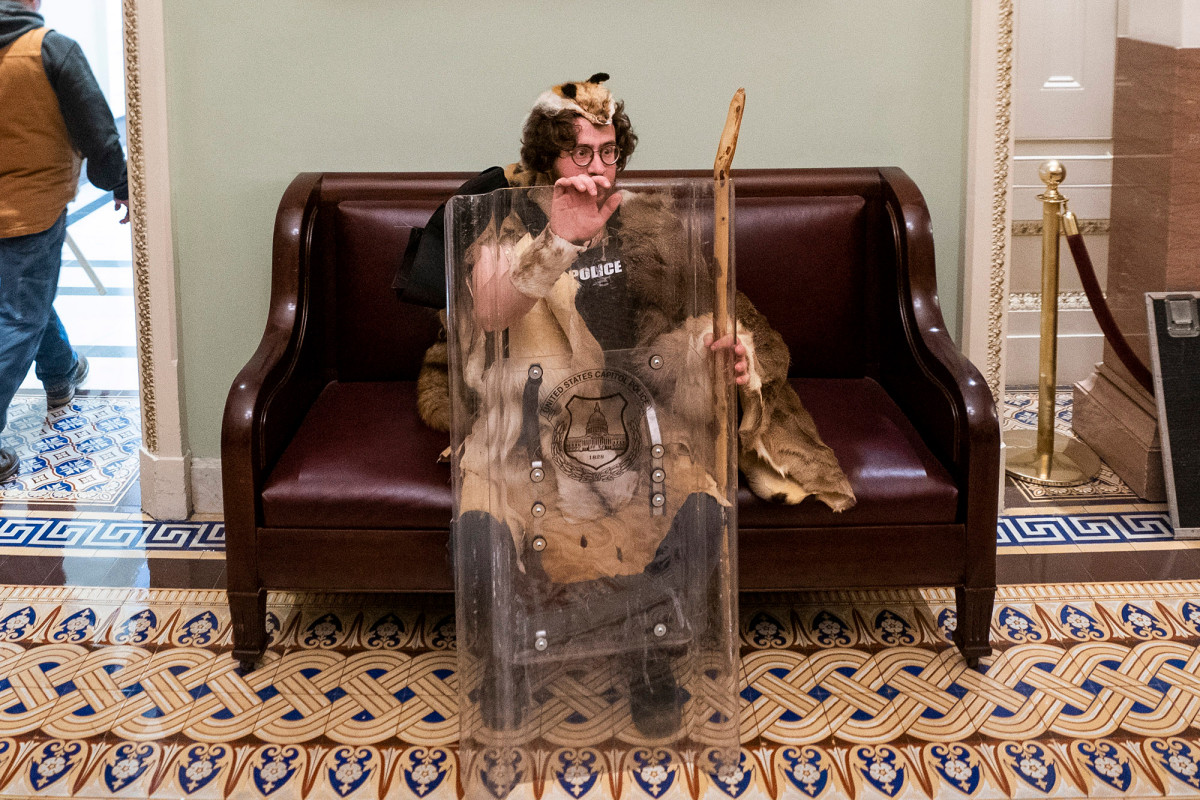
{"x": 597, "y": 418}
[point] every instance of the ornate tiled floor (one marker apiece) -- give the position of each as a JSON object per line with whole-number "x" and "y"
{"x": 1094, "y": 690}
{"x": 130, "y": 691}
{"x": 1020, "y": 411}
{"x": 83, "y": 455}
{"x": 31, "y": 533}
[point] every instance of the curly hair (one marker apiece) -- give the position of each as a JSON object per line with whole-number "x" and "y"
{"x": 545, "y": 136}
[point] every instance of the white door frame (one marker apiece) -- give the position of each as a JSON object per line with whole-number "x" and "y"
{"x": 988, "y": 237}
{"x": 165, "y": 456}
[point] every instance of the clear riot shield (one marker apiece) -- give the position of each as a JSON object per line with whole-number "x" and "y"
{"x": 594, "y": 488}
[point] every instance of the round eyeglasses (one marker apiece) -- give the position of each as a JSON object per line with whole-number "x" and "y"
{"x": 582, "y": 155}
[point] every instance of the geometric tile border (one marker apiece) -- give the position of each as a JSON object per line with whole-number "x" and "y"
{"x": 41, "y": 533}
{"x": 1094, "y": 690}
{"x": 1105, "y": 489}
{"x": 83, "y": 452}
{"x": 1082, "y": 529}
{"x": 116, "y": 535}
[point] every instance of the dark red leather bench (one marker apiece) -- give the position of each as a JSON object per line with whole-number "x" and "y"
{"x": 331, "y": 481}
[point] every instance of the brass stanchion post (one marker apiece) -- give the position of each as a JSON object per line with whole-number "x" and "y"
{"x": 1046, "y": 457}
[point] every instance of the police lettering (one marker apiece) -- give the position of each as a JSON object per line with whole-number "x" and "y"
{"x": 596, "y": 271}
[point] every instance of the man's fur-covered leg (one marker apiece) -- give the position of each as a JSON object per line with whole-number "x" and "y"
{"x": 779, "y": 448}
{"x": 433, "y": 383}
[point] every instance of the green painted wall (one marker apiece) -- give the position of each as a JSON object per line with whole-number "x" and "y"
{"x": 259, "y": 91}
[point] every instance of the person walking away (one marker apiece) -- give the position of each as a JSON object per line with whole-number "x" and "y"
{"x": 53, "y": 117}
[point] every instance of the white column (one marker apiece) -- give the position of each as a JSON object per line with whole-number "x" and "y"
{"x": 988, "y": 187}
{"x": 165, "y": 457}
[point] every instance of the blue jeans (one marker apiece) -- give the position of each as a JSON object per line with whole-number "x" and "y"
{"x": 30, "y": 330}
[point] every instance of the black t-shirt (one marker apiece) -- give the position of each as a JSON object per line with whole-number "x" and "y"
{"x": 603, "y": 296}
{"x": 421, "y": 275}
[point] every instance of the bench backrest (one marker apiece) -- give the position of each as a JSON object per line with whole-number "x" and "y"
{"x": 814, "y": 252}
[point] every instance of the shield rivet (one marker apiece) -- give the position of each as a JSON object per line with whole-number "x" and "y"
{"x": 660, "y": 630}
{"x": 540, "y": 643}
{"x": 538, "y": 509}
{"x": 537, "y": 475}
{"x": 539, "y": 543}
{"x": 535, "y": 372}
{"x": 657, "y": 451}
{"x": 658, "y": 476}
{"x": 658, "y": 500}
{"x": 656, "y": 362}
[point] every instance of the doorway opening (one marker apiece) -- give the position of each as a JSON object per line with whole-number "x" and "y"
{"x": 84, "y": 456}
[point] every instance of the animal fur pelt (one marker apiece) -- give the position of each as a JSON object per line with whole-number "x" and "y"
{"x": 588, "y": 98}
{"x": 433, "y": 382}
{"x": 780, "y": 450}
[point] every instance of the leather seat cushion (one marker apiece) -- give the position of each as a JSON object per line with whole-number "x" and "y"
{"x": 361, "y": 459}
{"x": 896, "y": 479}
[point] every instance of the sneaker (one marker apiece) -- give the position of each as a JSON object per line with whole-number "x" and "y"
{"x": 67, "y": 394}
{"x": 8, "y": 464}
{"x": 654, "y": 697}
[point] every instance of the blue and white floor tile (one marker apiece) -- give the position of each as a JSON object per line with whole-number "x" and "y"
{"x": 1019, "y": 411}
{"x": 1041, "y": 530}
{"x": 82, "y": 455}
{"x": 31, "y": 535}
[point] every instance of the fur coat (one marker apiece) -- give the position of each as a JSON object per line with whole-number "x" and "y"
{"x": 780, "y": 451}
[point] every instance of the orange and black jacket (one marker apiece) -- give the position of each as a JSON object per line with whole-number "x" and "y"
{"x": 52, "y": 116}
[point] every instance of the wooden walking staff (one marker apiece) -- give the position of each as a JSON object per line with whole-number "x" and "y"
{"x": 721, "y": 320}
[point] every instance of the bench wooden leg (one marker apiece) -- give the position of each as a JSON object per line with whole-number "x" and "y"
{"x": 249, "y": 613}
{"x": 974, "y": 606}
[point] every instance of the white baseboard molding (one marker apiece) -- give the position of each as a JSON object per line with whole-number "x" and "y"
{"x": 206, "y": 486}
{"x": 1003, "y": 475}
{"x": 166, "y": 488}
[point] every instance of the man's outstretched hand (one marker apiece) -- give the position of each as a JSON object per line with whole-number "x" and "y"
{"x": 576, "y": 213}
{"x": 728, "y": 342}
{"x": 118, "y": 205}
